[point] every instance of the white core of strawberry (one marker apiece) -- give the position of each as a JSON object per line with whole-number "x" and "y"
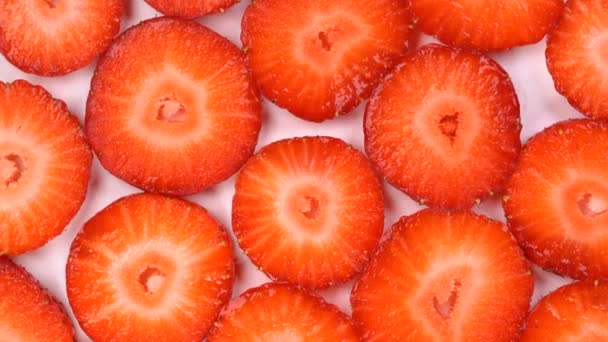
{"x": 12, "y": 167}
{"x": 592, "y": 206}
{"x": 170, "y": 110}
{"x": 445, "y": 307}
{"x": 152, "y": 279}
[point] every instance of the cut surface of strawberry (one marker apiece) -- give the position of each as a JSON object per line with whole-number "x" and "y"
{"x": 308, "y": 211}
{"x": 575, "y": 312}
{"x": 28, "y": 312}
{"x": 280, "y": 312}
{"x": 190, "y": 8}
{"x": 45, "y": 164}
{"x": 321, "y": 58}
{"x": 445, "y": 127}
{"x": 556, "y": 202}
{"x": 149, "y": 268}
{"x": 577, "y": 56}
{"x": 56, "y": 37}
{"x": 444, "y": 277}
{"x": 175, "y": 115}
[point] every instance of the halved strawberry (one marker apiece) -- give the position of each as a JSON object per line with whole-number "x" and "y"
{"x": 27, "y": 311}
{"x": 487, "y": 25}
{"x": 190, "y": 8}
{"x": 308, "y": 211}
{"x": 279, "y": 312}
{"x": 444, "y": 277}
{"x": 56, "y": 37}
{"x": 174, "y": 115}
{"x": 45, "y": 164}
{"x": 556, "y": 202}
{"x": 445, "y": 128}
{"x": 150, "y": 268}
{"x": 321, "y": 58}
{"x": 577, "y": 56}
{"x": 575, "y": 312}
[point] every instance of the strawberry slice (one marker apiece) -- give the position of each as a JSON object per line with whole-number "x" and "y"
{"x": 45, "y": 164}
{"x": 308, "y": 211}
{"x": 444, "y": 277}
{"x": 577, "y": 55}
{"x": 557, "y": 199}
{"x": 487, "y": 25}
{"x": 289, "y": 314}
{"x": 575, "y": 312}
{"x": 150, "y": 268}
{"x": 190, "y": 8}
{"x": 321, "y": 58}
{"x": 56, "y": 37}
{"x": 175, "y": 115}
{"x": 29, "y": 312}
{"x": 445, "y": 128}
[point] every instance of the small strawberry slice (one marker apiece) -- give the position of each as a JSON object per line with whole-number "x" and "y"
{"x": 575, "y": 312}
{"x": 308, "y": 211}
{"x": 190, "y": 8}
{"x": 556, "y": 202}
{"x": 28, "y": 312}
{"x": 321, "y": 58}
{"x": 577, "y": 56}
{"x": 150, "y": 268}
{"x": 56, "y": 37}
{"x": 487, "y": 25}
{"x": 445, "y": 128}
{"x": 175, "y": 115}
{"x": 45, "y": 164}
{"x": 279, "y": 312}
{"x": 444, "y": 277}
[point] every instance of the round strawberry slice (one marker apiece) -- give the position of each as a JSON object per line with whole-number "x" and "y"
{"x": 321, "y": 58}
{"x": 175, "y": 115}
{"x": 190, "y": 8}
{"x": 444, "y": 277}
{"x": 445, "y": 128}
{"x": 556, "y": 202}
{"x": 45, "y": 164}
{"x": 56, "y": 37}
{"x": 150, "y": 268}
{"x": 487, "y": 25}
{"x": 577, "y": 55}
{"x": 308, "y": 211}
{"x": 575, "y": 312}
{"x": 289, "y": 314}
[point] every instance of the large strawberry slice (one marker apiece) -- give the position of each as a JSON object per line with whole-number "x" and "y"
{"x": 173, "y": 115}
{"x": 444, "y": 277}
{"x": 190, "y": 8}
{"x": 150, "y": 268}
{"x": 55, "y": 37}
{"x": 308, "y": 211}
{"x": 44, "y": 167}
{"x": 279, "y": 312}
{"x": 27, "y": 311}
{"x": 577, "y": 56}
{"x": 575, "y": 312}
{"x": 445, "y": 128}
{"x": 321, "y": 58}
{"x": 556, "y": 202}
{"x": 487, "y": 25}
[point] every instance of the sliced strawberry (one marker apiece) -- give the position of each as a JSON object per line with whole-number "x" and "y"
{"x": 444, "y": 277}
{"x": 56, "y": 37}
{"x": 45, "y": 164}
{"x": 575, "y": 312}
{"x": 445, "y": 128}
{"x": 556, "y": 202}
{"x": 150, "y": 268}
{"x": 190, "y": 8}
{"x": 174, "y": 115}
{"x": 308, "y": 211}
{"x": 487, "y": 25}
{"x": 279, "y": 312}
{"x": 321, "y": 58}
{"x": 577, "y": 56}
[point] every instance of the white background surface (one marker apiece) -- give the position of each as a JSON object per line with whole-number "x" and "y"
{"x": 540, "y": 107}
